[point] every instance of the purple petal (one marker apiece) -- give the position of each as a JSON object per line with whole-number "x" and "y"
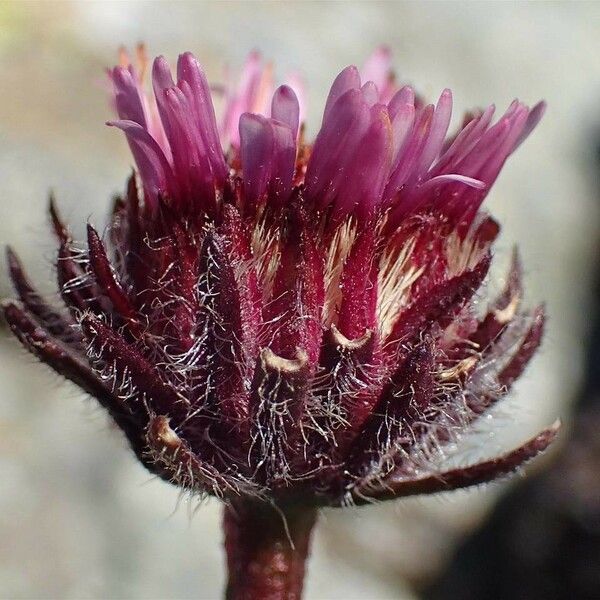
{"x": 513, "y": 106}
{"x": 243, "y": 98}
{"x": 335, "y": 146}
{"x": 378, "y": 66}
{"x": 348, "y": 79}
{"x": 404, "y": 96}
{"x": 256, "y": 148}
{"x": 176, "y": 115}
{"x": 410, "y": 153}
{"x": 189, "y": 70}
{"x": 285, "y": 108}
{"x": 488, "y": 157}
{"x": 152, "y": 165}
{"x": 485, "y": 153}
{"x": 127, "y": 98}
{"x": 450, "y": 178}
{"x": 361, "y": 189}
{"x": 250, "y": 80}
{"x": 370, "y": 93}
{"x": 457, "y": 185}
{"x": 283, "y": 162}
{"x": 534, "y": 117}
{"x": 437, "y": 132}
{"x": 162, "y": 80}
{"x": 296, "y": 82}
{"x": 486, "y": 146}
{"x": 161, "y": 74}
{"x": 402, "y": 124}
{"x": 464, "y": 142}
{"x": 268, "y": 154}
{"x": 491, "y": 169}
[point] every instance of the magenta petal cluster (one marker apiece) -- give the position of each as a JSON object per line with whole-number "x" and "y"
{"x": 289, "y": 320}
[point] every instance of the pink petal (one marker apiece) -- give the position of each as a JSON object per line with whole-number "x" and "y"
{"x": 534, "y": 117}
{"x": 370, "y": 93}
{"x": 348, "y": 79}
{"x": 154, "y": 169}
{"x": 285, "y": 108}
{"x": 378, "y": 67}
{"x": 256, "y": 148}
{"x": 437, "y": 132}
{"x": 189, "y": 70}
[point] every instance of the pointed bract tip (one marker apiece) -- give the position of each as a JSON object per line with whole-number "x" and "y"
{"x": 60, "y": 229}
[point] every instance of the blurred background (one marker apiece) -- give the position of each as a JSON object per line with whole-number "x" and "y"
{"x": 79, "y": 518}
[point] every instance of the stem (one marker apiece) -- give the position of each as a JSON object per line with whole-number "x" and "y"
{"x": 266, "y": 550}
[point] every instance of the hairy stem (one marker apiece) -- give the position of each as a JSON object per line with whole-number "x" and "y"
{"x": 266, "y": 550}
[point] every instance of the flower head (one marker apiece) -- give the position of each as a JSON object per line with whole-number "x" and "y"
{"x": 287, "y": 320}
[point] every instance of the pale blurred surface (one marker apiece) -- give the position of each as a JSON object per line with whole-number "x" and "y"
{"x": 78, "y": 517}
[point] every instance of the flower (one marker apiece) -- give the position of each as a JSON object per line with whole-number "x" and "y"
{"x": 291, "y": 321}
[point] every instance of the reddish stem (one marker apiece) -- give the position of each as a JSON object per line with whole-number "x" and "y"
{"x": 266, "y": 550}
